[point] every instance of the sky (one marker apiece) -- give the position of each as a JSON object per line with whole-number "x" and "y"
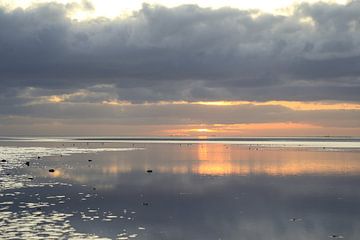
{"x": 179, "y": 68}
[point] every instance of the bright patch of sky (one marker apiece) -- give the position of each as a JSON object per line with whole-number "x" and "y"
{"x": 115, "y": 8}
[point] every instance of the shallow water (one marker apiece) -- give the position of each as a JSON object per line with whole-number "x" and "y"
{"x": 195, "y": 191}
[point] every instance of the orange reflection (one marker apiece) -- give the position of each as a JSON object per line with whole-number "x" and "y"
{"x": 60, "y": 173}
{"x": 214, "y": 159}
{"x": 223, "y": 159}
{"x": 219, "y": 159}
{"x": 173, "y": 169}
{"x": 115, "y": 169}
{"x": 56, "y": 174}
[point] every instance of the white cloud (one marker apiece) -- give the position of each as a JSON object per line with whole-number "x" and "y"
{"x": 114, "y": 8}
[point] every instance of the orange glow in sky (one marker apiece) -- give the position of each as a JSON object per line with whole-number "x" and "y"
{"x": 56, "y": 99}
{"x": 294, "y": 105}
{"x": 229, "y": 129}
{"x": 197, "y": 126}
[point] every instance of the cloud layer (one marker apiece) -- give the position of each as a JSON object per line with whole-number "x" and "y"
{"x": 185, "y": 53}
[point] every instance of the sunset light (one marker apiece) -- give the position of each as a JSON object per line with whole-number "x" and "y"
{"x": 180, "y": 119}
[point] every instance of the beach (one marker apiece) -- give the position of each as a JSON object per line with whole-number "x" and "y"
{"x": 148, "y": 189}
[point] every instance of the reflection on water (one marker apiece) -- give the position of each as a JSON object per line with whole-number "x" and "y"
{"x": 195, "y": 191}
{"x": 218, "y": 159}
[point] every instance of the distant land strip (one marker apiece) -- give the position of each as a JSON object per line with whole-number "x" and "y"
{"x": 240, "y": 139}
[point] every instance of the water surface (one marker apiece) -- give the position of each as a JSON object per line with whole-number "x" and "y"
{"x": 193, "y": 191}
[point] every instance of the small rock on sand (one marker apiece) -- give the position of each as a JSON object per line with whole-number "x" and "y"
{"x": 51, "y": 170}
{"x": 336, "y": 236}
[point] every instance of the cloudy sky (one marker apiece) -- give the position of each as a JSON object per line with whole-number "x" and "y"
{"x": 179, "y": 68}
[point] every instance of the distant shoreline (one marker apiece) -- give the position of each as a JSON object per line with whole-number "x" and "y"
{"x": 222, "y": 139}
{"x": 320, "y": 143}
{"x": 190, "y": 139}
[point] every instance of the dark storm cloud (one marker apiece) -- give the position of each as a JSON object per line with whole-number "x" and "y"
{"x": 185, "y": 53}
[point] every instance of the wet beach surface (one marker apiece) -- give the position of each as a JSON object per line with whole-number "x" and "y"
{"x": 177, "y": 191}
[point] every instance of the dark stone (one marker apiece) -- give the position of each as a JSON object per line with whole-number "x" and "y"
{"x": 3, "y": 160}
{"x": 27, "y": 163}
{"x": 90, "y": 160}
{"x": 149, "y": 171}
{"x": 336, "y": 236}
{"x": 51, "y": 170}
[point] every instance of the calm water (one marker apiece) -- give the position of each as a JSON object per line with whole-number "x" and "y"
{"x": 195, "y": 191}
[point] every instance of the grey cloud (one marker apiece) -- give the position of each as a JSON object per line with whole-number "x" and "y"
{"x": 186, "y": 53}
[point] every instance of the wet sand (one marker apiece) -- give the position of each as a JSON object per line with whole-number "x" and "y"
{"x": 176, "y": 191}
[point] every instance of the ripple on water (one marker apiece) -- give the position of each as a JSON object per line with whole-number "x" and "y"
{"x": 31, "y": 222}
{"x": 37, "y": 225}
{"x": 17, "y": 156}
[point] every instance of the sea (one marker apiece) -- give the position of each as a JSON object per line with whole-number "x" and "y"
{"x": 297, "y": 188}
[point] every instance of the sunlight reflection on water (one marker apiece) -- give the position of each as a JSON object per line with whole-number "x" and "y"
{"x": 177, "y": 191}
